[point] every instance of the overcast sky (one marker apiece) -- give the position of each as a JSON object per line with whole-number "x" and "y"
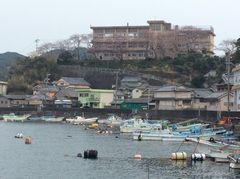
{"x": 24, "y": 21}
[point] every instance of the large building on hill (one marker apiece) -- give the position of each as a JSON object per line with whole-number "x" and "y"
{"x": 155, "y": 40}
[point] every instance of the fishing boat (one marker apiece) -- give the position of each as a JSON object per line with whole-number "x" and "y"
{"x": 169, "y": 135}
{"x": 134, "y": 124}
{"x": 218, "y": 150}
{"x": 15, "y": 118}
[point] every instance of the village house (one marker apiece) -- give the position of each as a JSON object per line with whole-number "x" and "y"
{"x": 235, "y": 87}
{"x": 72, "y": 82}
{"x": 3, "y": 88}
{"x": 95, "y": 98}
{"x": 173, "y": 98}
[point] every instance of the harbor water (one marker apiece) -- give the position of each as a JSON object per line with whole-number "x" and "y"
{"x": 54, "y": 149}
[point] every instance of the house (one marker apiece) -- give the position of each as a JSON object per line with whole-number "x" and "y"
{"x": 77, "y": 83}
{"x": 45, "y": 89}
{"x": 218, "y": 101}
{"x": 137, "y": 104}
{"x": 131, "y": 87}
{"x": 173, "y": 98}
{"x": 3, "y": 88}
{"x": 236, "y": 87}
{"x": 200, "y": 98}
{"x": 18, "y": 100}
{"x": 95, "y": 98}
{"x": 67, "y": 94}
{"x": 4, "y": 101}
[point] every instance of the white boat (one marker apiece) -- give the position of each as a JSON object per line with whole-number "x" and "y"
{"x": 52, "y": 118}
{"x": 215, "y": 149}
{"x": 168, "y": 135}
{"x": 113, "y": 120}
{"x": 83, "y": 120}
{"x": 15, "y": 118}
{"x": 131, "y": 125}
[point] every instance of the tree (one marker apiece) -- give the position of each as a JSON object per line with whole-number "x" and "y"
{"x": 77, "y": 39}
{"x": 65, "y": 57}
{"x": 162, "y": 44}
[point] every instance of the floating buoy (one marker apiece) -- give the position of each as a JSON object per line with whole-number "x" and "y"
{"x": 79, "y": 155}
{"x": 138, "y": 156}
{"x": 19, "y": 136}
{"x": 198, "y": 157}
{"x": 91, "y": 154}
{"x": 116, "y": 136}
{"x": 28, "y": 140}
{"x": 179, "y": 156}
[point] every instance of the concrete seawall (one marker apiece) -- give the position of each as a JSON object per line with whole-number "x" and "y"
{"x": 172, "y": 115}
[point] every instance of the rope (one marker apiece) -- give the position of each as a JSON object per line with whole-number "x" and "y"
{"x": 180, "y": 145}
{"x": 196, "y": 146}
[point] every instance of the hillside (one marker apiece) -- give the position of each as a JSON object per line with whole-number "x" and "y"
{"x": 6, "y": 60}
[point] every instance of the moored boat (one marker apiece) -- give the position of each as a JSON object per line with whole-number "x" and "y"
{"x": 83, "y": 120}
{"x": 218, "y": 150}
{"x": 168, "y": 135}
{"x": 52, "y": 118}
{"x": 15, "y": 118}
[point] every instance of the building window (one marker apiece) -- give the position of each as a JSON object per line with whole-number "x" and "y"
{"x": 83, "y": 94}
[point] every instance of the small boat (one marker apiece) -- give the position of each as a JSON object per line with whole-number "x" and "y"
{"x": 131, "y": 125}
{"x": 83, "y": 120}
{"x": 52, "y": 118}
{"x": 234, "y": 161}
{"x": 15, "y": 118}
{"x": 218, "y": 150}
{"x": 35, "y": 118}
{"x": 112, "y": 120}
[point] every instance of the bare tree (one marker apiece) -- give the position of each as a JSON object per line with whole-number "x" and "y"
{"x": 162, "y": 44}
{"x": 228, "y": 46}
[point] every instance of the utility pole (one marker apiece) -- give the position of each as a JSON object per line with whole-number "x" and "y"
{"x": 228, "y": 63}
{"x": 116, "y": 89}
{"x": 36, "y": 41}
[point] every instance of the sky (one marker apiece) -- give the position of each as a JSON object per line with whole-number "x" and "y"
{"x": 24, "y": 21}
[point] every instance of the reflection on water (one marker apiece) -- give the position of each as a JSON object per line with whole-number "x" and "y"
{"x": 53, "y": 154}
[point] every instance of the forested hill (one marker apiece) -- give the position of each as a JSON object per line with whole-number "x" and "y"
{"x": 6, "y": 60}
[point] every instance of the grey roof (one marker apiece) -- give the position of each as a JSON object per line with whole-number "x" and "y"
{"x": 45, "y": 87}
{"x": 201, "y": 92}
{"x": 76, "y": 81}
{"x": 17, "y": 97}
{"x": 216, "y": 95}
{"x": 173, "y": 88}
{"x": 66, "y": 92}
{"x": 40, "y": 97}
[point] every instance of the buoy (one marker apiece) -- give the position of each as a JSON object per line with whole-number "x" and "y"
{"x": 137, "y": 156}
{"x": 198, "y": 157}
{"x": 116, "y": 136}
{"x": 91, "y": 154}
{"x": 79, "y": 155}
{"x": 28, "y": 140}
{"x": 19, "y": 135}
{"x": 179, "y": 156}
